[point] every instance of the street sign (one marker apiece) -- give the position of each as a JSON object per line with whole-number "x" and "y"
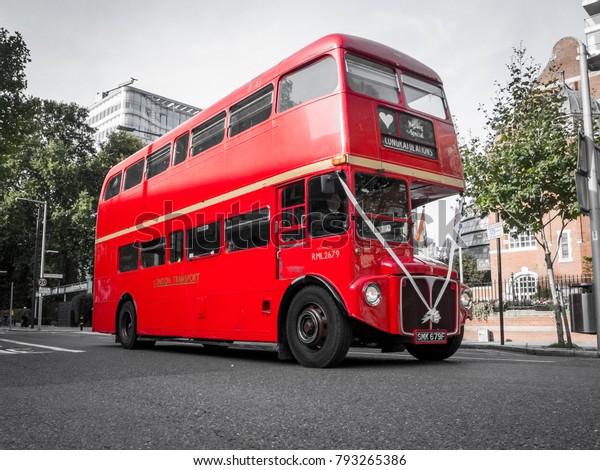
{"x": 495, "y": 230}
{"x": 42, "y": 282}
{"x": 53, "y": 276}
{"x": 45, "y": 290}
{"x": 484, "y": 265}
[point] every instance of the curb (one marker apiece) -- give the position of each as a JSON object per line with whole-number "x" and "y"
{"x": 536, "y": 350}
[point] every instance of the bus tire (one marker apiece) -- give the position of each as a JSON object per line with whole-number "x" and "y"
{"x": 318, "y": 333}
{"x": 436, "y": 352}
{"x": 127, "y": 326}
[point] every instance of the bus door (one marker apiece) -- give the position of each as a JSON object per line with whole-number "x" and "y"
{"x": 291, "y": 231}
{"x": 312, "y": 225}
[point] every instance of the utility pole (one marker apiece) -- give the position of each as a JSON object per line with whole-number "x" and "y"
{"x": 594, "y": 201}
{"x": 39, "y": 205}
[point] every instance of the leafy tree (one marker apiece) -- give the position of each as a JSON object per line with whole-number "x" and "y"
{"x": 15, "y": 116}
{"x": 48, "y": 165}
{"x": 83, "y": 212}
{"x": 471, "y": 275}
{"x": 14, "y": 56}
{"x": 47, "y": 153}
{"x": 524, "y": 168}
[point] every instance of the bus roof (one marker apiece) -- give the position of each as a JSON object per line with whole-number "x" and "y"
{"x": 307, "y": 53}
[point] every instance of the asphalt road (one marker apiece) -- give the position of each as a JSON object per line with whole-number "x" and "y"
{"x": 95, "y": 395}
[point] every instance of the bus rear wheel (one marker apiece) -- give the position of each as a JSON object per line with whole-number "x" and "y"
{"x": 127, "y": 328}
{"x": 318, "y": 333}
{"x": 436, "y": 352}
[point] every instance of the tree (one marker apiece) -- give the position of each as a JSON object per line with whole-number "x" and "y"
{"x": 524, "y": 169}
{"x": 47, "y": 153}
{"x": 14, "y": 56}
{"x": 83, "y": 214}
{"x": 48, "y": 165}
{"x": 471, "y": 275}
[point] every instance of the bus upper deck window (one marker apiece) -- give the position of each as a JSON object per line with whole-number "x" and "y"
{"x": 208, "y": 134}
{"x": 313, "y": 81}
{"x": 113, "y": 187}
{"x": 158, "y": 161}
{"x": 133, "y": 175}
{"x": 251, "y": 111}
{"x": 424, "y": 97}
{"x": 181, "y": 147}
{"x": 372, "y": 79}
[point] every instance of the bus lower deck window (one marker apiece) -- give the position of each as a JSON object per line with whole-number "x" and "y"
{"x": 250, "y": 230}
{"x": 128, "y": 257}
{"x": 204, "y": 240}
{"x": 153, "y": 252}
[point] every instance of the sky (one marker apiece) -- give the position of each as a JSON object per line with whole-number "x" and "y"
{"x": 197, "y": 51}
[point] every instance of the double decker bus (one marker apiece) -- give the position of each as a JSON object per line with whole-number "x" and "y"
{"x": 282, "y": 214}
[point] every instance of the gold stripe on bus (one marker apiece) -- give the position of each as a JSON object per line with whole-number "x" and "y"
{"x": 407, "y": 171}
{"x": 273, "y": 180}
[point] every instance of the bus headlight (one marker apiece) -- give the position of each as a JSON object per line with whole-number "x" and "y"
{"x": 372, "y": 294}
{"x": 466, "y": 299}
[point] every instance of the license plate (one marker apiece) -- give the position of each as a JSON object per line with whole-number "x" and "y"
{"x": 430, "y": 337}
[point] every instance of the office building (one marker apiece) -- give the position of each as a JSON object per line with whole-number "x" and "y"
{"x": 147, "y": 115}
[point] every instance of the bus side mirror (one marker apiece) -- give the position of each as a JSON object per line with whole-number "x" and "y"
{"x": 327, "y": 184}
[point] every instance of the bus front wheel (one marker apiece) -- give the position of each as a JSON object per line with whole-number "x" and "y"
{"x": 318, "y": 333}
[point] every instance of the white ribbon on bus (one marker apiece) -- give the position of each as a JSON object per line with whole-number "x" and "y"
{"x": 432, "y": 312}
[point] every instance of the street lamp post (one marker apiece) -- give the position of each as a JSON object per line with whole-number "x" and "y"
{"x": 133, "y": 129}
{"x": 42, "y": 257}
{"x": 10, "y": 307}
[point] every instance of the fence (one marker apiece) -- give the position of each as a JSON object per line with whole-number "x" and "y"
{"x": 527, "y": 291}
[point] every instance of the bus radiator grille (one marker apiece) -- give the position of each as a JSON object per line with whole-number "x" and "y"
{"x": 412, "y": 309}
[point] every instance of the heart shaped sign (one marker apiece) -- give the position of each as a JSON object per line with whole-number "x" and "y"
{"x": 387, "y": 119}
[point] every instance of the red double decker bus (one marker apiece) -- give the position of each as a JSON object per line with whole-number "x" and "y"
{"x": 282, "y": 214}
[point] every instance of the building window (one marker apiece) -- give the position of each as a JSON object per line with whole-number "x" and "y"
{"x": 524, "y": 287}
{"x": 564, "y": 247}
{"x": 521, "y": 240}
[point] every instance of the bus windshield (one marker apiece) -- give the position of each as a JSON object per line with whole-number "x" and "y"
{"x": 385, "y": 201}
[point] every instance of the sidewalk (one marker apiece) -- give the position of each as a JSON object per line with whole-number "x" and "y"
{"x": 526, "y": 331}
{"x": 534, "y": 349}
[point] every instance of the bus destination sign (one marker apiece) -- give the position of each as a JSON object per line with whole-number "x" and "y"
{"x": 408, "y": 146}
{"x": 407, "y": 133}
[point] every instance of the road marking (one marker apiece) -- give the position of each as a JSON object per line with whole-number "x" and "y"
{"x": 404, "y": 356}
{"x": 21, "y": 351}
{"x": 53, "y": 348}
{"x": 502, "y": 359}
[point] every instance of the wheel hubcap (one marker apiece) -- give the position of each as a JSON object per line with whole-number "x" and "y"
{"x": 126, "y": 326}
{"x": 312, "y": 326}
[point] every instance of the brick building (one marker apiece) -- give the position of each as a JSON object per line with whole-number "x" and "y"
{"x": 523, "y": 260}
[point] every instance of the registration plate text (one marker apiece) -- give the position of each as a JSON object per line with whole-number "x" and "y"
{"x": 430, "y": 337}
